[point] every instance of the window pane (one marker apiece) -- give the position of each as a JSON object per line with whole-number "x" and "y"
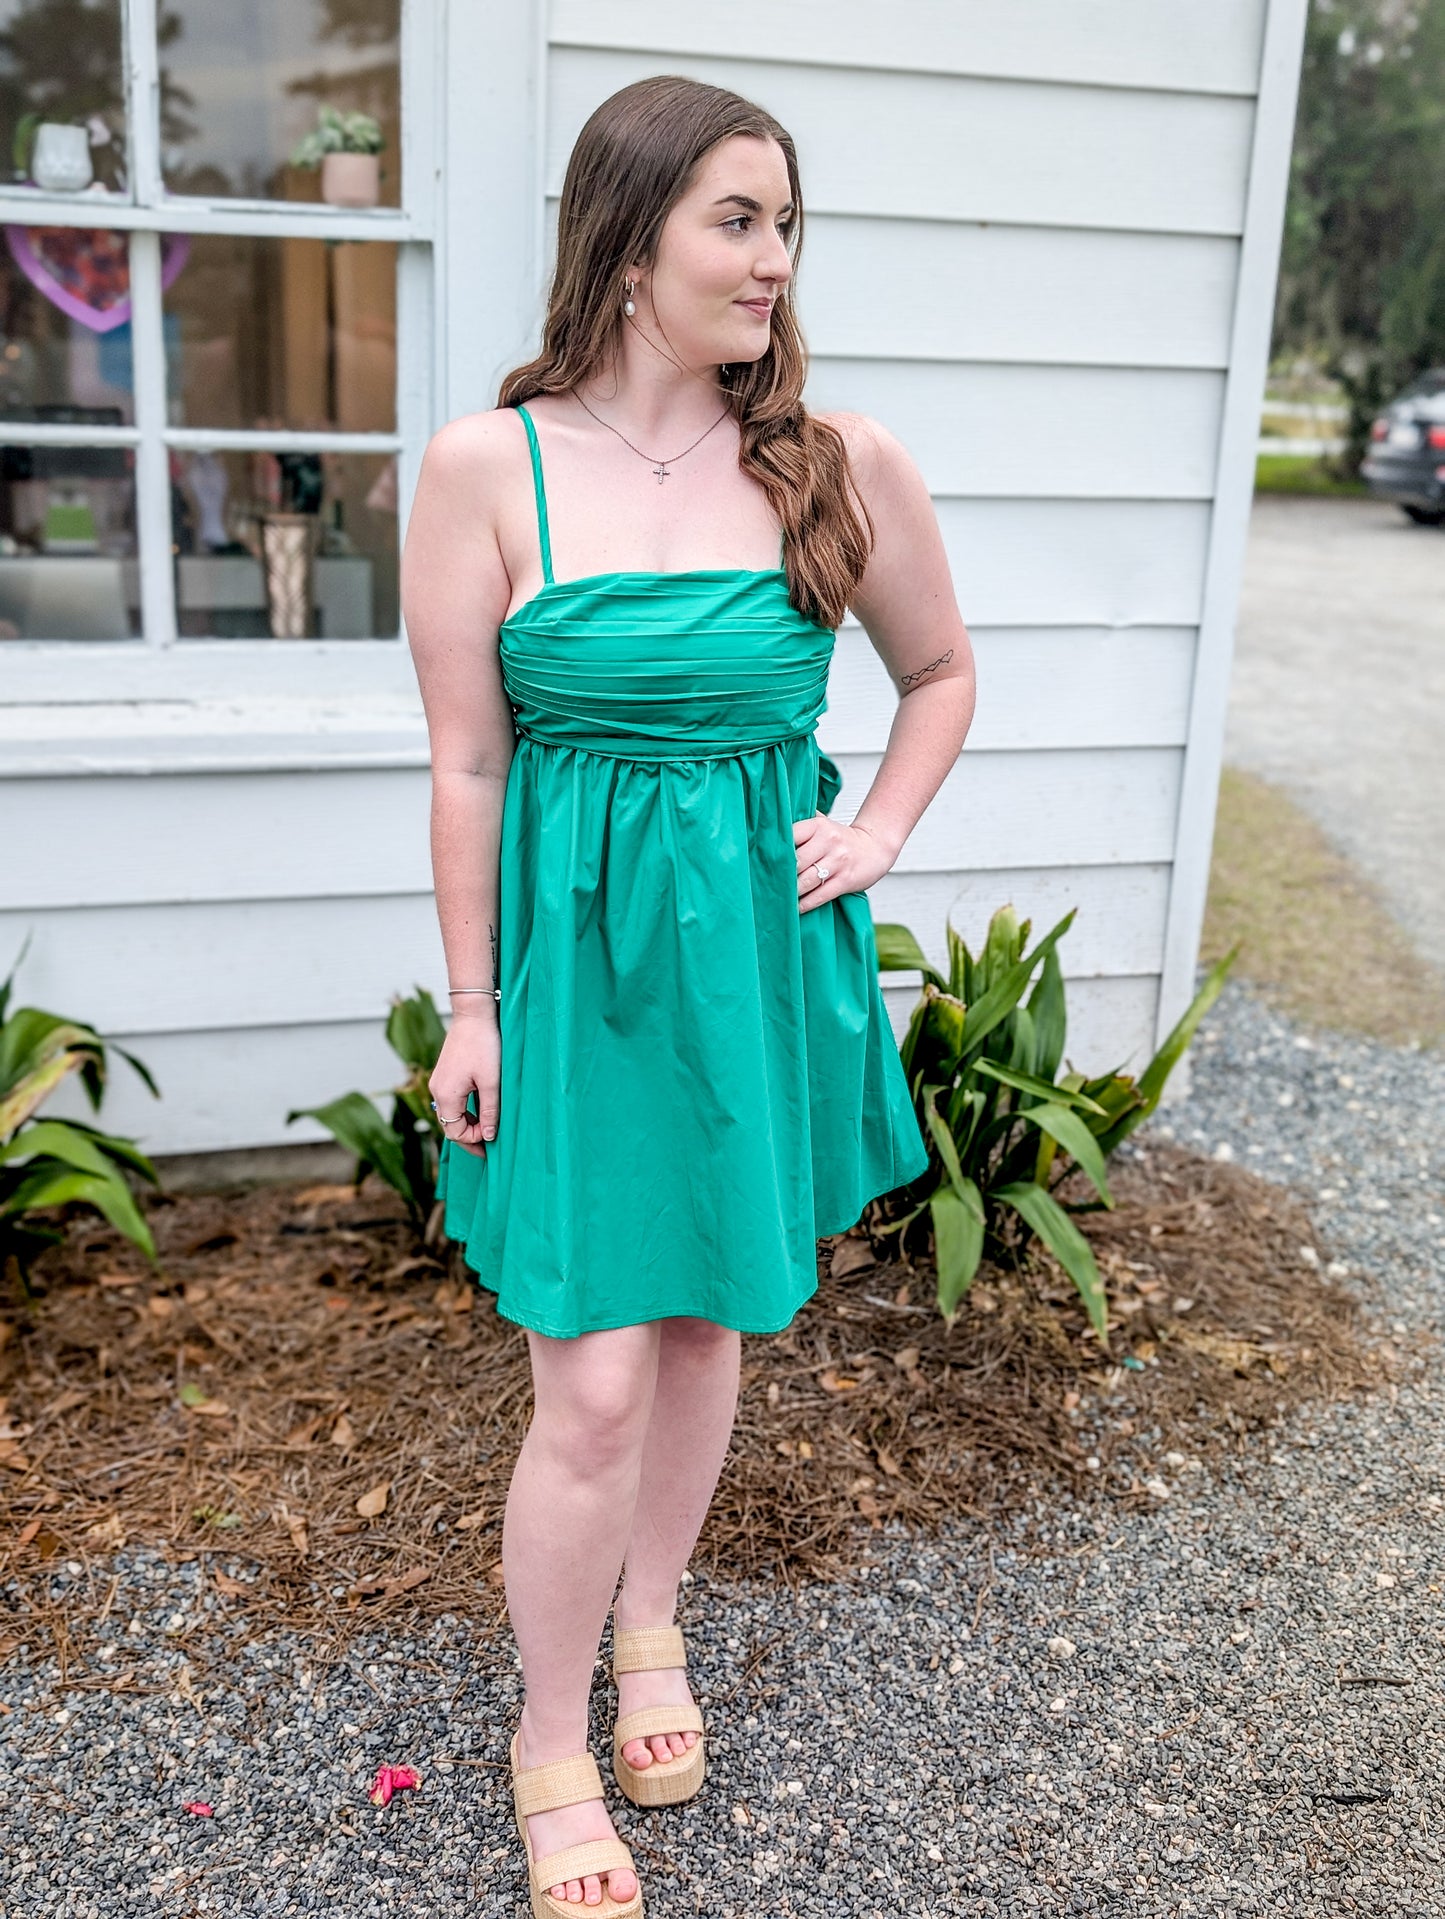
{"x": 67, "y": 543}
{"x": 293, "y": 333}
{"x": 342, "y": 504}
{"x": 64, "y": 295}
{"x": 60, "y": 64}
{"x": 245, "y": 80}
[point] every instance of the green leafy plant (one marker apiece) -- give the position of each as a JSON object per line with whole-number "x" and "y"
{"x": 47, "y": 1162}
{"x": 404, "y": 1150}
{"x": 1004, "y": 1128}
{"x": 338, "y": 133}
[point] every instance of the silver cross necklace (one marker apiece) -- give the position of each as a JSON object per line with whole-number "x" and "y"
{"x": 661, "y": 469}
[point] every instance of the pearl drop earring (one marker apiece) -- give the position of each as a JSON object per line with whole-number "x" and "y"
{"x": 627, "y": 305}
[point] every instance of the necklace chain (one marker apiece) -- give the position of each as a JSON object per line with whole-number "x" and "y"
{"x": 661, "y": 466}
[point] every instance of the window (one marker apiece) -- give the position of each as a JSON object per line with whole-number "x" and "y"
{"x": 215, "y": 366}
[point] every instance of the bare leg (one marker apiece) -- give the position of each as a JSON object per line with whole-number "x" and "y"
{"x": 697, "y": 1392}
{"x": 569, "y": 1508}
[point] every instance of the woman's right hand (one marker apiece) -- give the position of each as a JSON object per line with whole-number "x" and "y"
{"x": 470, "y": 1061}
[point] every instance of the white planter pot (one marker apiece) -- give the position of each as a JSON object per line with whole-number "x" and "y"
{"x": 351, "y": 179}
{"x": 60, "y": 160}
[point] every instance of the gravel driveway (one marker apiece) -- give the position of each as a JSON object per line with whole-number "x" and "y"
{"x": 1338, "y": 689}
{"x": 1249, "y": 1722}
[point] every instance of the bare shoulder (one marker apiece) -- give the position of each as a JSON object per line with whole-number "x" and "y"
{"x": 475, "y": 448}
{"x": 881, "y": 463}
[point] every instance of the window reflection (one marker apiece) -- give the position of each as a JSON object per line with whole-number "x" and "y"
{"x": 253, "y": 73}
{"x": 64, "y": 326}
{"x": 285, "y": 333}
{"x": 67, "y": 540}
{"x": 60, "y": 64}
{"x": 341, "y": 508}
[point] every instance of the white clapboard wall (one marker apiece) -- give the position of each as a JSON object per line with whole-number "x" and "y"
{"x": 1040, "y": 246}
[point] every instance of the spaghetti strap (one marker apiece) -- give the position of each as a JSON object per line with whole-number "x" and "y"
{"x": 543, "y": 530}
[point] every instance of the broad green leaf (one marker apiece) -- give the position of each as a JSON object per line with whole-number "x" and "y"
{"x": 361, "y": 1129}
{"x": 1040, "y": 1088}
{"x": 960, "y": 965}
{"x": 1040, "y": 1211}
{"x": 942, "y": 1137}
{"x": 1002, "y": 996}
{"x": 1075, "y": 1138}
{"x": 55, "y": 1139}
{"x": 55, "y": 1185}
{"x": 957, "y": 1242}
{"x": 947, "y": 1018}
{"x": 899, "y": 952}
{"x": 1046, "y": 1003}
{"x": 1003, "y": 943}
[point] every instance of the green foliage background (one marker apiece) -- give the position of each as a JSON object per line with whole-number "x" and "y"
{"x": 1362, "y": 272}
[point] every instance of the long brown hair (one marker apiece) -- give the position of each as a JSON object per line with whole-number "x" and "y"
{"x": 633, "y": 160}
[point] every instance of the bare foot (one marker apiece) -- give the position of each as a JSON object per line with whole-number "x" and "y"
{"x": 662, "y": 1686}
{"x": 573, "y": 1826}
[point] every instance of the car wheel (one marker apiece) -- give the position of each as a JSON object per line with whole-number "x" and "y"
{"x": 1425, "y": 515}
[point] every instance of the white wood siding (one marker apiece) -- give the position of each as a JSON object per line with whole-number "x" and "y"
{"x": 1048, "y": 267}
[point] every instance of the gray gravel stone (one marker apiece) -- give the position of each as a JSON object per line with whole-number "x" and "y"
{"x": 919, "y": 1740}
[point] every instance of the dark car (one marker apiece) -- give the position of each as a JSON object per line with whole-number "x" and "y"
{"x": 1406, "y": 460}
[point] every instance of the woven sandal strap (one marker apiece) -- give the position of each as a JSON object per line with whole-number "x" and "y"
{"x": 648, "y": 1720}
{"x": 573, "y": 1862}
{"x": 557, "y": 1782}
{"x": 647, "y": 1648}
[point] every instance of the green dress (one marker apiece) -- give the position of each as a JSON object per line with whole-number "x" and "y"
{"x": 698, "y": 1078}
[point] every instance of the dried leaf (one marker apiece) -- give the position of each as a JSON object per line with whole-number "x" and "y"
{"x": 906, "y": 1359}
{"x": 230, "y": 1588}
{"x": 887, "y": 1462}
{"x": 832, "y": 1381}
{"x": 852, "y": 1256}
{"x": 372, "y": 1504}
{"x": 119, "y": 1279}
{"x": 343, "y": 1433}
{"x": 805, "y": 1449}
{"x": 294, "y": 1524}
{"x": 107, "y": 1533}
{"x": 468, "y": 1520}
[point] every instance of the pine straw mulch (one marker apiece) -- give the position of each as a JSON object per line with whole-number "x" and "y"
{"x": 326, "y": 1414}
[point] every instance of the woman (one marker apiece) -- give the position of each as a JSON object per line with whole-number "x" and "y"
{"x": 669, "y": 1068}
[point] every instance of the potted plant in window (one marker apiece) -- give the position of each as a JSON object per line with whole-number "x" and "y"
{"x": 55, "y": 153}
{"x": 345, "y": 147}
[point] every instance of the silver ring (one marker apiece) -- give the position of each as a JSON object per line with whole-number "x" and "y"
{"x": 820, "y": 870}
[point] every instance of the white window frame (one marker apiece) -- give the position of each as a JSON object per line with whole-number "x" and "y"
{"x": 161, "y": 660}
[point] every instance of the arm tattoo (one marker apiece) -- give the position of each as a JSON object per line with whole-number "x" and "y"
{"x": 492, "y": 932}
{"x": 942, "y": 660}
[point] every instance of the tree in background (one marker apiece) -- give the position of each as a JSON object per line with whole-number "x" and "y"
{"x": 1362, "y": 273}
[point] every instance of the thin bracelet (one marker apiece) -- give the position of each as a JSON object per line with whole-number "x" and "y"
{"x": 495, "y": 991}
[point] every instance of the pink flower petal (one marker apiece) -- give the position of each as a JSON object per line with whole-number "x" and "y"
{"x": 199, "y": 1808}
{"x": 390, "y": 1779}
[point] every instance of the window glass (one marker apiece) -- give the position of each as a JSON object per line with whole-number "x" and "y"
{"x": 67, "y": 544}
{"x": 62, "y": 94}
{"x": 64, "y": 326}
{"x": 243, "y": 84}
{"x": 285, "y": 333}
{"x": 255, "y": 530}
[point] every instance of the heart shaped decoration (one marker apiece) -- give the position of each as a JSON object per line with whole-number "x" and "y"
{"x": 85, "y": 271}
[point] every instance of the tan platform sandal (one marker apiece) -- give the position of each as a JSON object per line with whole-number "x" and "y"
{"x": 566, "y": 1782}
{"x": 665, "y": 1782}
